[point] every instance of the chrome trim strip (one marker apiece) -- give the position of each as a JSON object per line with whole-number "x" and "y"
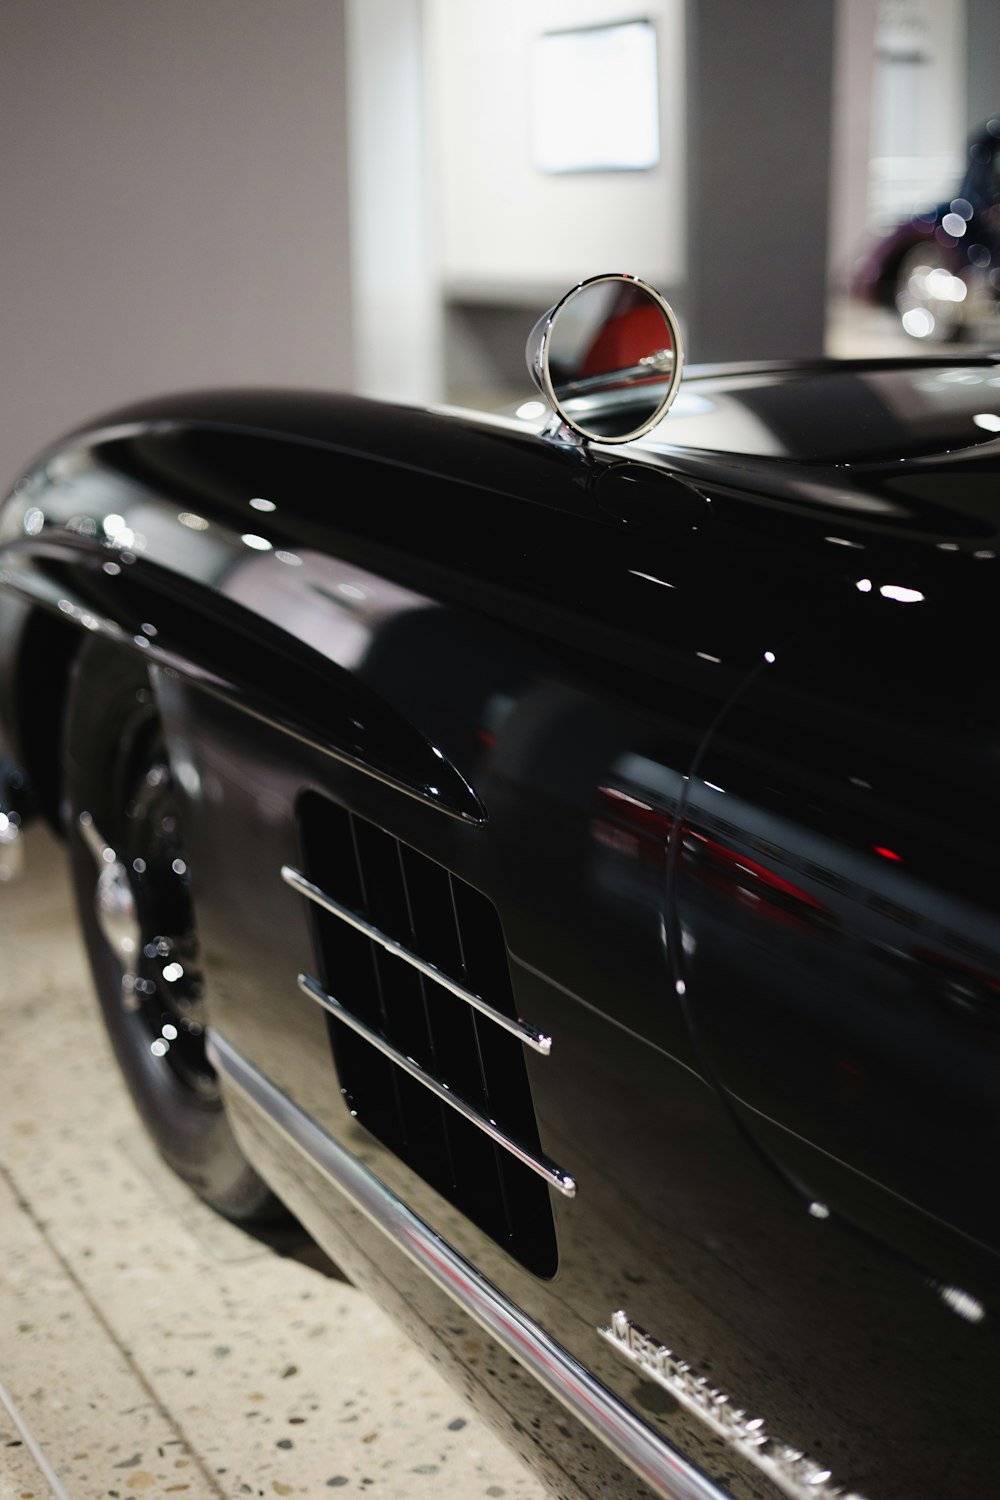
{"x": 664, "y": 1470}
{"x": 527, "y": 1034}
{"x": 552, "y": 1174}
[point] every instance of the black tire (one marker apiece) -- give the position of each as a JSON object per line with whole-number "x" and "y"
{"x": 125, "y": 839}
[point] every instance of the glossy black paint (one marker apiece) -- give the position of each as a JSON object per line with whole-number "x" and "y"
{"x": 575, "y": 680}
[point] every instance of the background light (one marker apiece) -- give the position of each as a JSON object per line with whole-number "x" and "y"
{"x": 595, "y": 99}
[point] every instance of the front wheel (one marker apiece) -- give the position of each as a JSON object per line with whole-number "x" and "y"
{"x": 133, "y": 893}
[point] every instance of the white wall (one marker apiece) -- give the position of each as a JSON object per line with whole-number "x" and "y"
{"x": 853, "y": 86}
{"x": 899, "y": 118}
{"x": 174, "y": 189}
{"x": 506, "y": 230}
{"x": 918, "y": 145}
{"x": 396, "y": 308}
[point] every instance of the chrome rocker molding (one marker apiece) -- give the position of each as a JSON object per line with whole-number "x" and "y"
{"x": 666, "y": 1472}
{"x": 527, "y": 1034}
{"x": 545, "y": 1168}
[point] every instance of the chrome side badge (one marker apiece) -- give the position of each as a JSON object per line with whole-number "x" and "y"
{"x": 799, "y": 1476}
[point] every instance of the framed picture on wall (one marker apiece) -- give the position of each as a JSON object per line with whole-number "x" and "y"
{"x": 595, "y": 99}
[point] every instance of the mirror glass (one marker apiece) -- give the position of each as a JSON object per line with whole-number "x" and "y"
{"x": 611, "y": 358}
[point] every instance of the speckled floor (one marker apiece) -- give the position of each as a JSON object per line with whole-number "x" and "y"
{"x": 149, "y": 1348}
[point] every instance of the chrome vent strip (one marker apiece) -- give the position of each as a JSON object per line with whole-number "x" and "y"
{"x": 668, "y": 1474}
{"x": 541, "y": 1165}
{"x": 527, "y": 1034}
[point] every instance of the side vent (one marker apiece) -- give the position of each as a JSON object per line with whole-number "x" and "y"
{"x": 413, "y": 975}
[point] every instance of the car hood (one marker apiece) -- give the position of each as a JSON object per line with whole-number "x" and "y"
{"x": 837, "y": 412}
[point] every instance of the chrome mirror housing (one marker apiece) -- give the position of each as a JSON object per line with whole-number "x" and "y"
{"x": 608, "y": 358}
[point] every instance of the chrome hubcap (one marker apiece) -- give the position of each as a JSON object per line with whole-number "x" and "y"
{"x": 142, "y": 904}
{"x": 117, "y": 917}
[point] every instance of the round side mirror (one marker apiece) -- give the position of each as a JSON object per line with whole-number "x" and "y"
{"x": 608, "y": 358}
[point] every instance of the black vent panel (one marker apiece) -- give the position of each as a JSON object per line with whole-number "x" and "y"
{"x": 451, "y": 927}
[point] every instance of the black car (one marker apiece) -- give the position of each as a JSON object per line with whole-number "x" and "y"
{"x": 556, "y": 856}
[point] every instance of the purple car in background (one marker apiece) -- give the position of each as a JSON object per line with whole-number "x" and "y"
{"x": 940, "y": 268}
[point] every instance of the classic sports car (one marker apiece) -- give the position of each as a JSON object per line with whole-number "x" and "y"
{"x": 940, "y": 268}
{"x": 530, "y": 849}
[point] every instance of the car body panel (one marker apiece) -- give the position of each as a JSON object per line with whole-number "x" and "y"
{"x": 577, "y": 681}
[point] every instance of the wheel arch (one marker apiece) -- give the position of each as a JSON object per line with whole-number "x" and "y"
{"x": 47, "y": 649}
{"x": 878, "y": 282}
{"x": 885, "y": 286}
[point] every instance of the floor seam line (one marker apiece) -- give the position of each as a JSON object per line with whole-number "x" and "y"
{"x": 22, "y": 1202}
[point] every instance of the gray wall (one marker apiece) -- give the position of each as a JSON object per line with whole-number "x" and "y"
{"x": 760, "y": 88}
{"x": 983, "y": 43}
{"x": 173, "y": 180}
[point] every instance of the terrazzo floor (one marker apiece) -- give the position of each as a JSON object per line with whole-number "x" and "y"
{"x": 148, "y": 1347}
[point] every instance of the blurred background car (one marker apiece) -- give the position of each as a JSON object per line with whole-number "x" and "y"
{"x": 939, "y": 268}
